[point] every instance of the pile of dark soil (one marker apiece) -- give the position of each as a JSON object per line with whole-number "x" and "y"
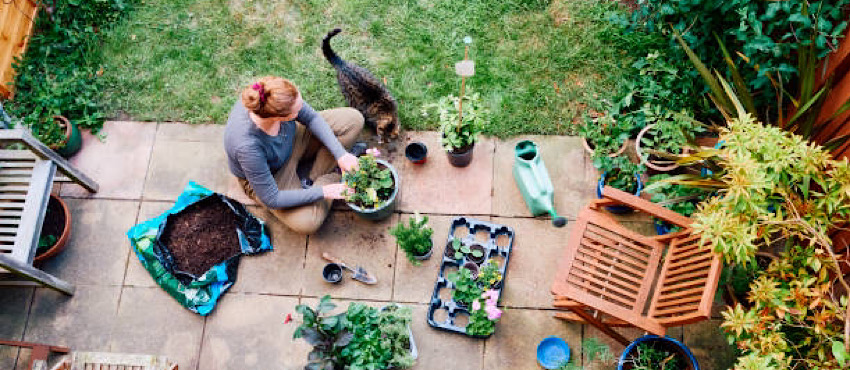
{"x": 201, "y": 236}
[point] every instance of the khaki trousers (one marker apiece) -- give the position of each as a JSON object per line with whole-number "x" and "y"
{"x": 346, "y": 123}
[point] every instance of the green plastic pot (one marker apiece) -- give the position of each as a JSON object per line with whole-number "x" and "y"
{"x": 73, "y": 141}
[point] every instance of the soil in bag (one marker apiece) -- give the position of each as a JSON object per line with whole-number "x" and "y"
{"x": 202, "y": 236}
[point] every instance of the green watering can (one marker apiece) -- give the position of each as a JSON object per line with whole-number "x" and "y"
{"x": 533, "y": 181}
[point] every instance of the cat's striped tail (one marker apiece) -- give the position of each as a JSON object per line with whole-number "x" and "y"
{"x": 330, "y": 55}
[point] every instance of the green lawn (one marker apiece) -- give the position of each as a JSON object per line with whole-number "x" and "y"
{"x": 538, "y": 63}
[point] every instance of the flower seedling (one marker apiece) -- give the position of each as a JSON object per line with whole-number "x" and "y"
{"x": 462, "y": 249}
{"x": 489, "y": 274}
{"x": 466, "y": 287}
{"x": 484, "y": 314}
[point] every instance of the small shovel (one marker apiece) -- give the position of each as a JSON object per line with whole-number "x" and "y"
{"x": 360, "y": 273}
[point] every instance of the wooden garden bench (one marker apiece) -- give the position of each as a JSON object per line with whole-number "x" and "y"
{"x": 26, "y": 179}
{"x": 78, "y": 360}
{"x": 612, "y": 276}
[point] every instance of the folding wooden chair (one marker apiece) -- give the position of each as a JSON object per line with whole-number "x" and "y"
{"x": 612, "y": 276}
{"x": 26, "y": 179}
{"x": 90, "y": 360}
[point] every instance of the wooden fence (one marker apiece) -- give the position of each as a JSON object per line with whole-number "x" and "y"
{"x": 16, "y": 22}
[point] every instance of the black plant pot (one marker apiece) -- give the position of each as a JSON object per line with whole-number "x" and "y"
{"x": 416, "y": 152}
{"x": 461, "y": 159}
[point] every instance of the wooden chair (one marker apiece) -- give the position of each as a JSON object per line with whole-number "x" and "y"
{"x": 612, "y": 276}
{"x": 26, "y": 179}
{"x": 90, "y": 360}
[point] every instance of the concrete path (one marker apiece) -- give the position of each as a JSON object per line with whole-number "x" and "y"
{"x": 142, "y": 167}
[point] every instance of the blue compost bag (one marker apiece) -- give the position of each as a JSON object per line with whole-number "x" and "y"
{"x": 197, "y": 293}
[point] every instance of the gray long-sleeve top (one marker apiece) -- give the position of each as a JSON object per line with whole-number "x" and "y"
{"x": 256, "y": 156}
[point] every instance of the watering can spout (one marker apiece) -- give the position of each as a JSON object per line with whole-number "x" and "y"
{"x": 533, "y": 181}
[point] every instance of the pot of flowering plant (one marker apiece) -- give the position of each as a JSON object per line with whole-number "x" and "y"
{"x": 603, "y": 136}
{"x": 622, "y": 174}
{"x": 373, "y": 188}
{"x": 657, "y": 353}
{"x": 459, "y": 132}
{"x": 415, "y": 238}
{"x": 484, "y": 315}
{"x": 490, "y": 275}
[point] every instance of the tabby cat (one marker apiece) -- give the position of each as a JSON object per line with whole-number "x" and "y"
{"x": 364, "y": 92}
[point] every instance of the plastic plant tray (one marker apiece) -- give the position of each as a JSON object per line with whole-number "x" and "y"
{"x": 443, "y": 312}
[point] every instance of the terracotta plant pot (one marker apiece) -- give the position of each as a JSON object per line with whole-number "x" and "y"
{"x": 73, "y": 141}
{"x": 62, "y": 239}
{"x": 589, "y": 149}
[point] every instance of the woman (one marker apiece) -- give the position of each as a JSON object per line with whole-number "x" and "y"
{"x": 264, "y": 146}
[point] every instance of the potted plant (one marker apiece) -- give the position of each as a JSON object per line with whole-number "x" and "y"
{"x": 55, "y": 230}
{"x": 603, "y": 136}
{"x": 362, "y": 337}
{"x": 678, "y": 198}
{"x": 490, "y": 275}
{"x": 457, "y": 249}
{"x": 651, "y": 352}
{"x": 459, "y": 134}
{"x": 57, "y": 132}
{"x": 664, "y": 138}
{"x": 373, "y": 188}
{"x": 415, "y": 238}
{"x": 622, "y": 174}
{"x": 466, "y": 287}
{"x": 484, "y": 315}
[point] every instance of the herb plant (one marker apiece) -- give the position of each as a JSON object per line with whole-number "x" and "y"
{"x": 621, "y": 173}
{"x": 371, "y": 185}
{"x": 466, "y": 288}
{"x": 604, "y": 134}
{"x": 459, "y": 136}
{"x": 415, "y": 238}
{"x": 671, "y": 131}
{"x": 596, "y": 352}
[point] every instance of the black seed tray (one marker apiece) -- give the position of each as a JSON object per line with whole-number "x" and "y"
{"x": 443, "y": 312}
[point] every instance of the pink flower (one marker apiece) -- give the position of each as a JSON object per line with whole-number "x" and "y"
{"x": 288, "y": 318}
{"x": 373, "y": 152}
{"x": 476, "y": 305}
{"x": 492, "y": 296}
{"x": 493, "y": 313}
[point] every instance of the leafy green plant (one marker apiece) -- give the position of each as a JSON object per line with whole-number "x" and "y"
{"x": 670, "y": 132}
{"x": 678, "y": 198}
{"x": 381, "y": 339}
{"x": 371, "y": 185}
{"x": 490, "y": 274}
{"x": 603, "y": 134}
{"x": 466, "y": 288}
{"x": 462, "y": 249}
{"x": 648, "y": 356}
{"x": 326, "y": 333}
{"x": 415, "y": 238}
{"x": 361, "y": 338}
{"x": 60, "y": 72}
{"x": 459, "y": 135}
{"x": 621, "y": 173}
{"x": 45, "y": 241}
{"x": 796, "y": 320}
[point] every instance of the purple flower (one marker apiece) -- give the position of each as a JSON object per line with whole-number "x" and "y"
{"x": 476, "y": 305}
{"x": 373, "y": 152}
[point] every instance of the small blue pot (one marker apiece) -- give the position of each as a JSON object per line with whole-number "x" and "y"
{"x": 690, "y": 360}
{"x": 552, "y": 353}
{"x": 617, "y": 209}
{"x": 662, "y": 227}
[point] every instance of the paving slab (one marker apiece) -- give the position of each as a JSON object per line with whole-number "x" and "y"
{"x": 97, "y": 250}
{"x": 564, "y": 159}
{"x": 82, "y": 322}
{"x": 709, "y": 345}
{"x": 136, "y": 274}
{"x": 416, "y": 283}
{"x": 537, "y": 251}
{"x": 247, "y": 331}
{"x": 357, "y": 242}
{"x": 278, "y": 272}
{"x": 443, "y": 350}
{"x": 174, "y": 163}
{"x": 14, "y": 311}
{"x": 514, "y": 344}
{"x": 438, "y": 187}
{"x": 169, "y": 329}
{"x": 118, "y": 164}
{"x": 175, "y": 131}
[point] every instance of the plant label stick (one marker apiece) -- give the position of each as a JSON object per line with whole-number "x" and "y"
{"x": 464, "y": 68}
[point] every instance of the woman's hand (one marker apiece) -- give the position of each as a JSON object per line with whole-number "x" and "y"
{"x": 334, "y": 191}
{"x": 347, "y": 162}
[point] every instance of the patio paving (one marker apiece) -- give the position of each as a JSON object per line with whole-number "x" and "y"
{"x": 142, "y": 167}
